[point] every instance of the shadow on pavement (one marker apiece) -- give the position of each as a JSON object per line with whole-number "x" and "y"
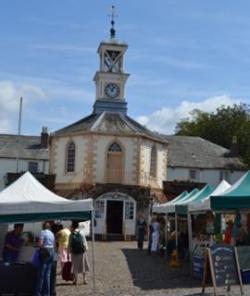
{"x": 153, "y": 272}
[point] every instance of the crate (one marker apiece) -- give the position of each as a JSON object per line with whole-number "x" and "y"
{"x": 245, "y": 275}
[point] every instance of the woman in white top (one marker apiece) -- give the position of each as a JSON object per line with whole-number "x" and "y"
{"x": 155, "y": 235}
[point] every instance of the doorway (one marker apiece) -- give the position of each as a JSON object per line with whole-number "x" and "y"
{"x": 114, "y": 216}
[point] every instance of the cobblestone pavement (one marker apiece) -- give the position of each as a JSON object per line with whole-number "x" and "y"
{"x": 122, "y": 270}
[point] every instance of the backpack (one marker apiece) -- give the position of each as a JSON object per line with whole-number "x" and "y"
{"x": 77, "y": 246}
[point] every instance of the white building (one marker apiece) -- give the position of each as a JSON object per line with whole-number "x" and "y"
{"x": 123, "y": 162}
{"x": 32, "y": 152}
{"x": 198, "y": 160}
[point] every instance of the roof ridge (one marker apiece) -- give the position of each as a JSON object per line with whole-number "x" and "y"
{"x": 99, "y": 119}
{"x": 74, "y": 123}
{"x": 125, "y": 119}
{"x": 16, "y": 135}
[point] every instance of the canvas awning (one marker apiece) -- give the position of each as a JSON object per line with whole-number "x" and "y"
{"x": 237, "y": 197}
{"x": 170, "y": 207}
{"x": 159, "y": 208}
{"x": 205, "y": 204}
{"x": 182, "y": 207}
{"x": 28, "y": 200}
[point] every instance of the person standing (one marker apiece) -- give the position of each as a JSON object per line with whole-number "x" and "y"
{"x": 47, "y": 245}
{"x": 141, "y": 231}
{"x": 12, "y": 244}
{"x": 63, "y": 244}
{"x": 228, "y": 233}
{"x": 78, "y": 250}
{"x": 150, "y": 230}
{"x": 155, "y": 235}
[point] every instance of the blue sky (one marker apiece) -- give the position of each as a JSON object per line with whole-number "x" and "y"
{"x": 182, "y": 55}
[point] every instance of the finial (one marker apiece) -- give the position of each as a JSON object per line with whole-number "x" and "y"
{"x": 113, "y": 15}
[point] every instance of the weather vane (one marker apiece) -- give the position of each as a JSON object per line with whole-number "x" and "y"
{"x": 112, "y": 15}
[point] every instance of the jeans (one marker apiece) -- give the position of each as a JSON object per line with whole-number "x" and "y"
{"x": 43, "y": 275}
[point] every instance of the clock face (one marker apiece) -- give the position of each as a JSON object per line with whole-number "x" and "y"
{"x": 112, "y": 90}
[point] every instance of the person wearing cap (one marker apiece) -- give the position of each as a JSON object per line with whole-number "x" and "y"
{"x": 12, "y": 244}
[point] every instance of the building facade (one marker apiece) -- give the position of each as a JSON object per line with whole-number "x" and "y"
{"x": 32, "y": 152}
{"x": 109, "y": 156}
{"x": 197, "y": 160}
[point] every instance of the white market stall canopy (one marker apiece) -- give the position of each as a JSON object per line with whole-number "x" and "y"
{"x": 160, "y": 207}
{"x": 205, "y": 204}
{"x": 170, "y": 207}
{"x": 28, "y": 200}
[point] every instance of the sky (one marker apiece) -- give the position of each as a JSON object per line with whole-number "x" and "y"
{"x": 182, "y": 55}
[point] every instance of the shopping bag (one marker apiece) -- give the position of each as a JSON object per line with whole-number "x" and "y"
{"x": 67, "y": 275}
{"x": 36, "y": 261}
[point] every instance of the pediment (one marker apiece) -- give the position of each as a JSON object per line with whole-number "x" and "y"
{"x": 112, "y": 123}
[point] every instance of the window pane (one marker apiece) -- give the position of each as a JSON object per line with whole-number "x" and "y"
{"x": 70, "y": 166}
{"x": 153, "y": 162}
{"x": 192, "y": 174}
{"x": 129, "y": 210}
{"x": 115, "y": 147}
{"x": 33, "y": 166}
{"x": 99, "y": 209}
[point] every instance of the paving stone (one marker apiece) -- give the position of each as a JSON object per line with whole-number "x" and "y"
{"x": 122, "y": 270}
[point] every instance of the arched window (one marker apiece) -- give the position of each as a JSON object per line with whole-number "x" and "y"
{"x": 153, "y": 162}
{"x": 70, "y": 157}
{"x": 115, "y": 147}
{"x": 114, "y": 163}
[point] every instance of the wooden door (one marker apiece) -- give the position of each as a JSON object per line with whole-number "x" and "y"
{"x": 114, "y": 167}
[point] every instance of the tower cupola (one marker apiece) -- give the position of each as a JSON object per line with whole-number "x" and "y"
{"x": 110, "y": 79}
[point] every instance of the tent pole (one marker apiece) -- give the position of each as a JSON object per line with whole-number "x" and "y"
{"x": 93, "y": 251}
{"x": 190, "y": 236}
{"x": 166, "y": 237}
{"x": 166, "y": 230}
{"x": 176, "y": 230}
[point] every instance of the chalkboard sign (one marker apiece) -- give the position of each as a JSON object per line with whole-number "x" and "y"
{"x": 198, "y": 261}
{"x": 223, "y": 266}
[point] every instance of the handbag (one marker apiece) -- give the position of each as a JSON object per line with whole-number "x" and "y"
{"x": 44, "y": 253}
{"x": 67, "y": 275}
{"x": 36, "y": 261}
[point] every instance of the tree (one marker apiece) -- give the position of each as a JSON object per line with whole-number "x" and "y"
{"x": 220, "y": 127}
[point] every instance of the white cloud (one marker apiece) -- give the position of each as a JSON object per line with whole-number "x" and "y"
{"x": 9, "y": 102}
{"x": 165, "y": 119}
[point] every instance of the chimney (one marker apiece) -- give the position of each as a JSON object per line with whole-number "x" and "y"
{"x": 44, "y": 138}
{"x": 234, "y": 149}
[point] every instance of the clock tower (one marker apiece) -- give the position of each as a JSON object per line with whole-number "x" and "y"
{"x": 110, "y": 79}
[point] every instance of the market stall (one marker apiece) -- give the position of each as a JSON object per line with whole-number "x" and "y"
{"x": 179, "y": 207}
{"x": 234, "y": 202}
{"x": 198, "y": 244}
{"x": 27, "y": 200}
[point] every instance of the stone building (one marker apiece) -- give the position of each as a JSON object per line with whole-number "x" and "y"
{"x": 32, "y": 152}
{"x": 197, "y": 160}
{"x": 108, "y": 155}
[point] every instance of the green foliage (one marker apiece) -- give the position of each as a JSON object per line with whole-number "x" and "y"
{"x": 220, "y": 127}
